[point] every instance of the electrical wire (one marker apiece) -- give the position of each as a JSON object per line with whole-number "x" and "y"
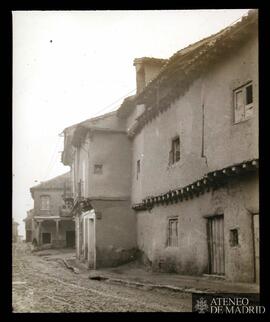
{"x": 53, "y": 158}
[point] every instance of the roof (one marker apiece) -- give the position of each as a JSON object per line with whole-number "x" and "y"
{"x": 54, "y": 183}
{"x": 188, "y": 63}
{"x": 91, "y": 121}
{"x": 76, "y": 133}
{"x": 150, "y": 60}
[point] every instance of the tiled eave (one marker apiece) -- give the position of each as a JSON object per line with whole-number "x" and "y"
{"x": 212, "y": 180}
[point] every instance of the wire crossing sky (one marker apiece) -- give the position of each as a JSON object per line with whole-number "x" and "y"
{"x": 69, "y": 66}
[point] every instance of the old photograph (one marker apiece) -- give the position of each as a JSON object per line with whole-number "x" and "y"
{"x": 135, "y": 161}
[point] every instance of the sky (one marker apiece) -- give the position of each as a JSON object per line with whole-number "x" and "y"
{"x": 69, "y": 66}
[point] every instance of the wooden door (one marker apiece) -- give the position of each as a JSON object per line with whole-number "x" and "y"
{"x": 215, "y": 232}
{"x": 256, "y": 238}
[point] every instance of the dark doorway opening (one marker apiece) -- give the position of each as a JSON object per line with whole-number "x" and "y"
{"x": 70, "y": 238}
{"x": 28, "y": 236}
{"x": 46, "y": 238}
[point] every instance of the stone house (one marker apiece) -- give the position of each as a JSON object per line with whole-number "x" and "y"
{"x": 49, "y": 223}
{"x": 183, "y": 154}
{"x": 99, "y": 154}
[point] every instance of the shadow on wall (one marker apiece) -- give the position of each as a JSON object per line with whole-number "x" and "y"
{"x": 112, "y": 257}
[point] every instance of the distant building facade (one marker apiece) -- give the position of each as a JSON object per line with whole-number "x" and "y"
{"x": 29, "y": 226}
{"x": 49, "y": 222}
{"x": 14, "y": 231}
{"x": 174, "y": 172}
{"x": 98, "y": 152}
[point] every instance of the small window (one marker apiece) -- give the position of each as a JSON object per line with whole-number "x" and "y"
{"x": 138, "y": 169}
{"x": 175, "y": 151}
{"x": 98, "y": 168}
{"x": 173, "y": 232}
{"x": 234, "y": 237}
{"x": 243, "y": 103}
{"x": 45, "y": 202}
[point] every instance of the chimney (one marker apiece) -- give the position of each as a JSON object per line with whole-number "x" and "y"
{"x": 147, "y": 69}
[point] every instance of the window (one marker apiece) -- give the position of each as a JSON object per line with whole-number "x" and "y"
{"x": 98, "y": 168}
{"x": 138, "y": 170}
{"x": 45, "y": 202}
{"x": 234, "y": 237}
{"x": 175, "y": 151}
{"x": 243, "y": 103}
{"x": 173, "y": 232}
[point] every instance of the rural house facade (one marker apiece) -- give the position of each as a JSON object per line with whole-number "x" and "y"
{"x": 49, "y": 223}
{"x": 186, "y": 161}
{"x": 99, "y": 154}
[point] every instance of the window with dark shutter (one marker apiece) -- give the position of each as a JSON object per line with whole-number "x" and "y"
{"x": 243, "y": 103}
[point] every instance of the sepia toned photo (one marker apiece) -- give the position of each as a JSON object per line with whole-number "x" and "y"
{"x": 135, "y": 161}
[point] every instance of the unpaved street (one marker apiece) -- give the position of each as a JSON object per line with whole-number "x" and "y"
{"x": 42, "y": 285}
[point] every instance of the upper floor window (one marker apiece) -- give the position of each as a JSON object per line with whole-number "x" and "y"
{"x": 243, "y": 102}
{"x": 138, "y": 169}
{"x": 44, "y": 202}
{"x": 98, "y": 168}
{"x": 175, "y": 150}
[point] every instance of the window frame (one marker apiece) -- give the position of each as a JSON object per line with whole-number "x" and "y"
{"x": 232, "y": 238}
{"x": 138, "y": 168}
{"x": 246, "y": 107}
{"x": 173, "y": 152}
{"x": 48, "y": 202}
{"x": 171, "y": 240}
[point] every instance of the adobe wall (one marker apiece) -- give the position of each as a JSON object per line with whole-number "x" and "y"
{"x": 237, "y": 201}
{"x": 115, "y": 233}
{"x": 203, "y": 119}
{"x": 113, "y": 151}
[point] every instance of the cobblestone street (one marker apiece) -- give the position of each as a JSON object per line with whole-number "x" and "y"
{"x": 42, "y": 285}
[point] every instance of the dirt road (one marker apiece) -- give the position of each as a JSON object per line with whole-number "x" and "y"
{"x": 43, "y": 285}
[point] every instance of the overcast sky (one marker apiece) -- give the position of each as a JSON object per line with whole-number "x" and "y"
{"x": 72, "y": 65}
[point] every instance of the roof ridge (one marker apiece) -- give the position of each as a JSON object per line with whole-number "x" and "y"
{"x": 99, "y": 117}
{"x": 50, "y": 180}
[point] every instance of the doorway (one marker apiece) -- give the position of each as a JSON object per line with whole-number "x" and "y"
{"x": 46, "y": 238}
{"x": 215, "y": 234}
{"x": 70, "y": 238}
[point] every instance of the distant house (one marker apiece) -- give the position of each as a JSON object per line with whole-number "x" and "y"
{"x": 29, "y": 225}
{"x": 49, "y": 222}
{"x": 99, "y": 153}
{"x": 14, "y": 231}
